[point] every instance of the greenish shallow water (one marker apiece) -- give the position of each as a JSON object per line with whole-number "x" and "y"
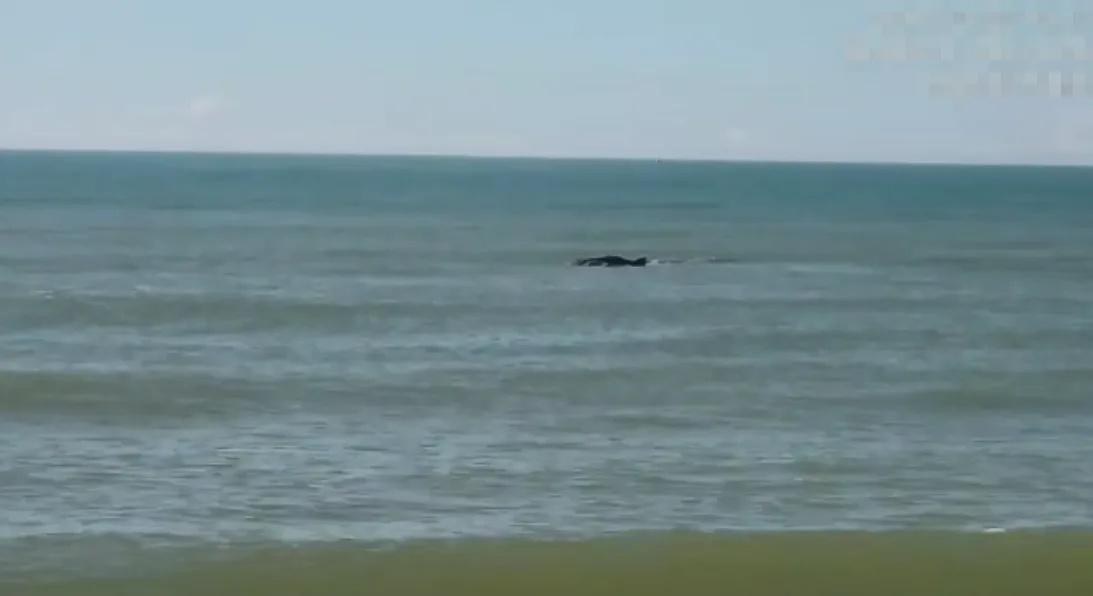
{"x": 309, "y": 356}
{"x": 786, "y": 564}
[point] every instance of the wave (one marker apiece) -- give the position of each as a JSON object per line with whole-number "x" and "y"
{"x": 691, "y": 260}
{"x": 1027, "y": 262}
{"x": 1055, "y": 392}
{"x": 813, "y": 563}
{"x": 710, "y": 260}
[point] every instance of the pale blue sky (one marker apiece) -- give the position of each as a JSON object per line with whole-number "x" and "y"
{"x": 710, "y": 79}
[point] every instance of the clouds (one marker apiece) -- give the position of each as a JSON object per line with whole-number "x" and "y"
{"x": 735, "y": 136}
{"x": 1068, "y": 136}
{"x": 203, "y": 107}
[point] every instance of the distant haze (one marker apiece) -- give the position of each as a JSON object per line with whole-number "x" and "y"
{"x": 842, "y": 80}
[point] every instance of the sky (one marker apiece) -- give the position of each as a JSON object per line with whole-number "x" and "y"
{"x": 791, "y": 80}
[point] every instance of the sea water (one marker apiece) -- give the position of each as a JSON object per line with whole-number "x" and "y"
{"x": 229, "y": 373}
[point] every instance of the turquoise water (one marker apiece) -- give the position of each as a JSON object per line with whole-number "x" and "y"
{"x": 238, "y": 354}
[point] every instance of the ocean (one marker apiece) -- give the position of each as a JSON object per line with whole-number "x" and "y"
{"x": 260, "y": 374}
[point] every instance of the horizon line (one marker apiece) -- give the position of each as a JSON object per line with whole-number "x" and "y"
{"x": 547, "y": 157}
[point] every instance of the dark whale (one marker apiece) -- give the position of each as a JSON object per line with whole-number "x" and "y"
{"x": 611, "y": 261}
